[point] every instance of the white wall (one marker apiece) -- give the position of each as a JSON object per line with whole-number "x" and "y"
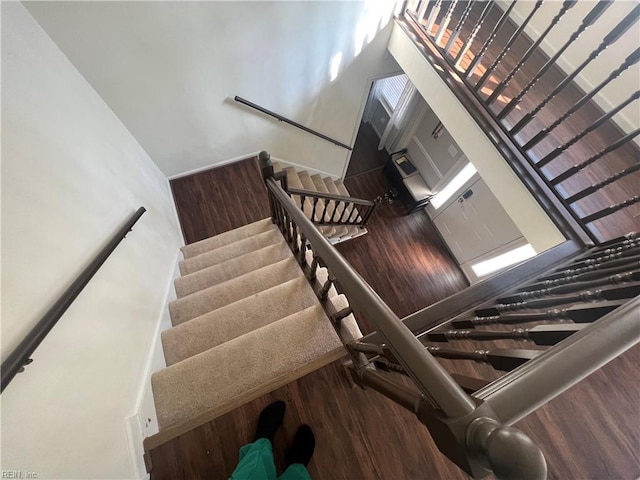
{"x": 598, "y": 70}
{"x": 519, "y": 204}
{"x": 170, "y": 70}
{"x": 71, "y": 174}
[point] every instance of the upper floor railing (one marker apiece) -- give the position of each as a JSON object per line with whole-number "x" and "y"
{"x": 550, "y": 124}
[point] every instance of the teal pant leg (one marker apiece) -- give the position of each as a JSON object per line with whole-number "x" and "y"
{"x": 256, "y": 462}
{"x": 297, "y": 471}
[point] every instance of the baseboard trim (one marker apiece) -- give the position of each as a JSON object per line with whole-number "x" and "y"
{"x": 133, "y": 424}
{"x": 239, "y": 158}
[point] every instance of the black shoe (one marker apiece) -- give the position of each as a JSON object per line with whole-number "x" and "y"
{"x": 270, "y": 420}
{"x": 304, "y": 443}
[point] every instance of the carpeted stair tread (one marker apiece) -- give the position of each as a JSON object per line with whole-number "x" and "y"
{"x": 232, "y": 250}
{"x": 353, "y": 231}
{"x": 308, "y": 184}
{"x": 213, "y": 382}
{"x": 349, "y": 330}
{"x": 212, "y": 298}
{"x": 238, "y": 318}
{"x": 232, "y": 268}
{"x": 322, "y": 188}
{"x": 226, "y": 238}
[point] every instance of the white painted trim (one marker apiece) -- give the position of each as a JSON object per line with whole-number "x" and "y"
{"x": 175, "y": 213}
{"x": 417, "y": 141}
{"x": 298, "y": 167}
{"x": 134, "y": 430}
{"x": 214, "y": 165}
{"x": 363, "y": 104}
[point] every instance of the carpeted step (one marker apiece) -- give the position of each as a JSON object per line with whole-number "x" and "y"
{"x": 322, "y": 188}
{"x": 207, "y": 277}
{"x": 214, "y": 382}
{"x": 226, "y": 238}
{"x": 353, "y": 232}
{"x": 212, "y": 298}
{"x": 237, "y": 318}
{"x": 308, "y": 184}
{"x": 232, "y": 250}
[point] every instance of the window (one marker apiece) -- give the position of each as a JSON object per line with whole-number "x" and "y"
{"x": 391, "y": 89}
{"x": 507, "y": 259}
{"x": 453, "y": 186}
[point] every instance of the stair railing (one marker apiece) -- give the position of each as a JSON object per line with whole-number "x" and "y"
{"x": 465, "y": 430}
{"x": 478, "y": 75}
{"x": 327, "y": 209}
{"x": 20, "y": 356}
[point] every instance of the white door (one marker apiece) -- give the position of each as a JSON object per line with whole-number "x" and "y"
{"x": 475, "y": 223}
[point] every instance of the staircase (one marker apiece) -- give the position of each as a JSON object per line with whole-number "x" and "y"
{"x": 302, "y": 180}
{"x": 246, "y": 322}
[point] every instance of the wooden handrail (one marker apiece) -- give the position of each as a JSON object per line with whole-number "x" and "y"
{"x": 17, "y": 359}
{"x": 430, "y": 377}
{"x": 290, "y": 122}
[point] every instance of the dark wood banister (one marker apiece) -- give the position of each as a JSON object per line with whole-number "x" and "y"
{"x": 290, "y": 122}
{"x": 17, "y": 359}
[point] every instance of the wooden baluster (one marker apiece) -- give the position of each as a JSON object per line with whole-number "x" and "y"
{"x": 500, "y": 359}
{"x": 433, "y": 15}
{"x": 303, "y": 249}
{"x": 600, "y": 121}
{"x": 494, "y": 33}
{"x": 324, "y": 291}
{"x": 458, "y": 28}
{"x": 324, "y": 210}
{"x": 353, "y": 216}
{"x": 313, "y": 210}
{"x": 421, "y": 10}
{"x": 615, "y": 292}
{"x": 367, "y": 215}
{"x": 584, "y": 276}
{"x": 545, "y": 335}
{"x": 609, "y": 40}
{"x": 591, "y": 267}
{"x": 632, "y": 276}
{"x": 474, "y": 33}
{"x": 620, "y": 253}
{"x": 610, "y": 210}
{"x": 594, "y": 188}
{"x": 508, "y": 45}
{"x": 445, "y": 22}
{"x": 584, "y": 313}
{"x": 595, "y": 13}
{"x": 605, "y": 151}
{"x": 628, "y": 62}
{"x": 337, "y": 317}
{"x": 469, "y": 384}
{"x": 566, "y": 5}
{"x": 631, "y": 237}
{"x": 296, "y": 248}
{"x": 347, "y": 208}
{"x": 335, "y": 210}
{"x": 313, "y": 269}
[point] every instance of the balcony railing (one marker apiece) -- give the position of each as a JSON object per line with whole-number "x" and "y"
{"x": 574, "y": 147}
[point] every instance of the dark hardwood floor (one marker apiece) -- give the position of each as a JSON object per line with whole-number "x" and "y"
{"x": 590, "y": 432}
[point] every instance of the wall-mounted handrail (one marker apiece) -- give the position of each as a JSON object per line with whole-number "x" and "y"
{"x": 20, "y": 357}
{"x": 290, "y": 122}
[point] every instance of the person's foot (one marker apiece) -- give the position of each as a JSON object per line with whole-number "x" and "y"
{"x": 270, "y": 420}
{"x": 304, "y": 443}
